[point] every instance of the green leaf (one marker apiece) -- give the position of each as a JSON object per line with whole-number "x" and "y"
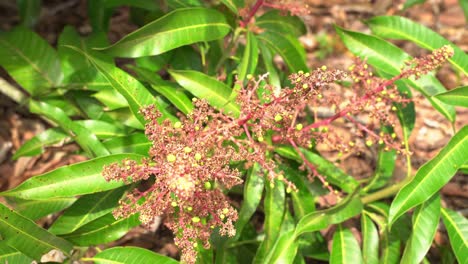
{"x": 390, "y": 248}
{"x": 38, "y": 143}
{"x": 208, "y": 88}
{"x": 249, "y": 60}
{"x": 11, "y": 255}
{"x": 425, "y": 222}
{"x": 178, "y": 4}
{"x": 30, "y": 60}
{"x": 86, "y": 209}
{"x": 136, "y": 143}
{"x": 135, "y": 93}
{"x": 457, "y": 229}
{"x": 30, "y": 11}
{"x": 233, "y": 5}
{"x": 345, "y": 248}
{"x": 35, "y": 145}
{"x": 129, "y": 255}
{"x": 85, "y": 138}
{"x": 396, "y": 27}
{"x": 178, "y": 28}
{"x": 267, "y": 57}
{"x": 288, "y": 47}
{"x": 24, "y": 235}
{"x": 35, "y": 209}
{"x": 77, "y": 179}
{"x": 102, "y": 230}
{"x": 303, "y": 199}
{"x": 274, "y": 21}
{"x": 169, "y": 90}
{"x": 384, "y": 169}
{"x": 253, "y": 190}
{"x": 390, "y": 59}
{"x": 284, "y": 249}
{"x": 111, "y": 98}
{"x": 432, "y": 176}
{"x": 464, "y": 6}
{"x": 321, "y": 219}
{"x": 457, "y": 96}
{"x": 275, "y": 206}
{"x": 326, "y": 168}
{"x": 73, "y": 61}
{"x": 370, "y": 240}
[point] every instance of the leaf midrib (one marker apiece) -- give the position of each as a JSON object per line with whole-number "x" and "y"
{"x": 431, "y": 170}
{"x": 33, "y": 65}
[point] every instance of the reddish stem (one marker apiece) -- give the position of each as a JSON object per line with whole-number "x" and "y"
{"x": 243, "y": 23}
{"x": 346, "y": 110}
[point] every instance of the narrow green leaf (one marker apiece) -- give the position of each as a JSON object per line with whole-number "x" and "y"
{"x": 49, "y": 137}
{"x": 135, "y": 143}
{"x": 370, "y": 240}
{"x": 249, "y": 60}
{"x": 135, "y": 93}
{"x": 425, "y": 222}
{"x": 30, "y": 60}
{"x": 73, "y": 61}
{"x": 464, "y": 6}
{"x": 35, "y": 209}
{"x": 303, "y": 199}
{"x": 77, "y": 179}
{"x": 410, "y": 3}
{"x": 208, "y": 88}
{"x": 30, "y": 11}
{"x": 396, "y": 27}
{"x": 36, "y": 145}
{"x": 288, "y": 47}
{"x": 267, "y": 59}
{"x": 111, "y": 98}
{"x": 390, "y": 59}
{"x": 384, "y": 169}
{"x": 24, "y": 235}
{"x": 332, "y": 173}
{"x": 102, "y": 230}
{"x": 345, "y": 248}
{"x": 319, "y": 220}
{"x": 457, "y": 96}
{"x": 432, "y": 176}
{"x": 129, "y": 255}
{"x": 178, "y": 4}
{"x": 11, "y": 255}
{"x": 85, "y": 138}
{"x": 274, "y": 21}
{"x": 178, "y": 28}
{"x": 253, "y": 190}
{"x": 284, "y": 250}
{"x": 169, "y": 90}
{"x": 86, "y": 209}
{"x": 457, "y": 229}
{"x": 390, "y": 248}
{"x": 274, "y": 205}
{"x": 233, "y": 5}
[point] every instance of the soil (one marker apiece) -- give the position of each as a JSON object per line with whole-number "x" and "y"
{"x": 323, "y": 47}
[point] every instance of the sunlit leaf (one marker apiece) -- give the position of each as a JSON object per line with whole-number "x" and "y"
{"x": 30, "y": 60}
{"x": 397, "y": 27}
{"x": 77, "y": 179}
{"x": 178, "y": 28}
{"x": 24, "y": 235}
{"x": 432, "y": 176}
{"x": 370, "y": 240}
{"x": 457, "y": 229}
{"x": 345, "y": 248}
{"x": 457, "y": 96}
{"x": 425, "y": 222}
{"x": 206, "y": 87}
{"x": 129, "y": 255}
